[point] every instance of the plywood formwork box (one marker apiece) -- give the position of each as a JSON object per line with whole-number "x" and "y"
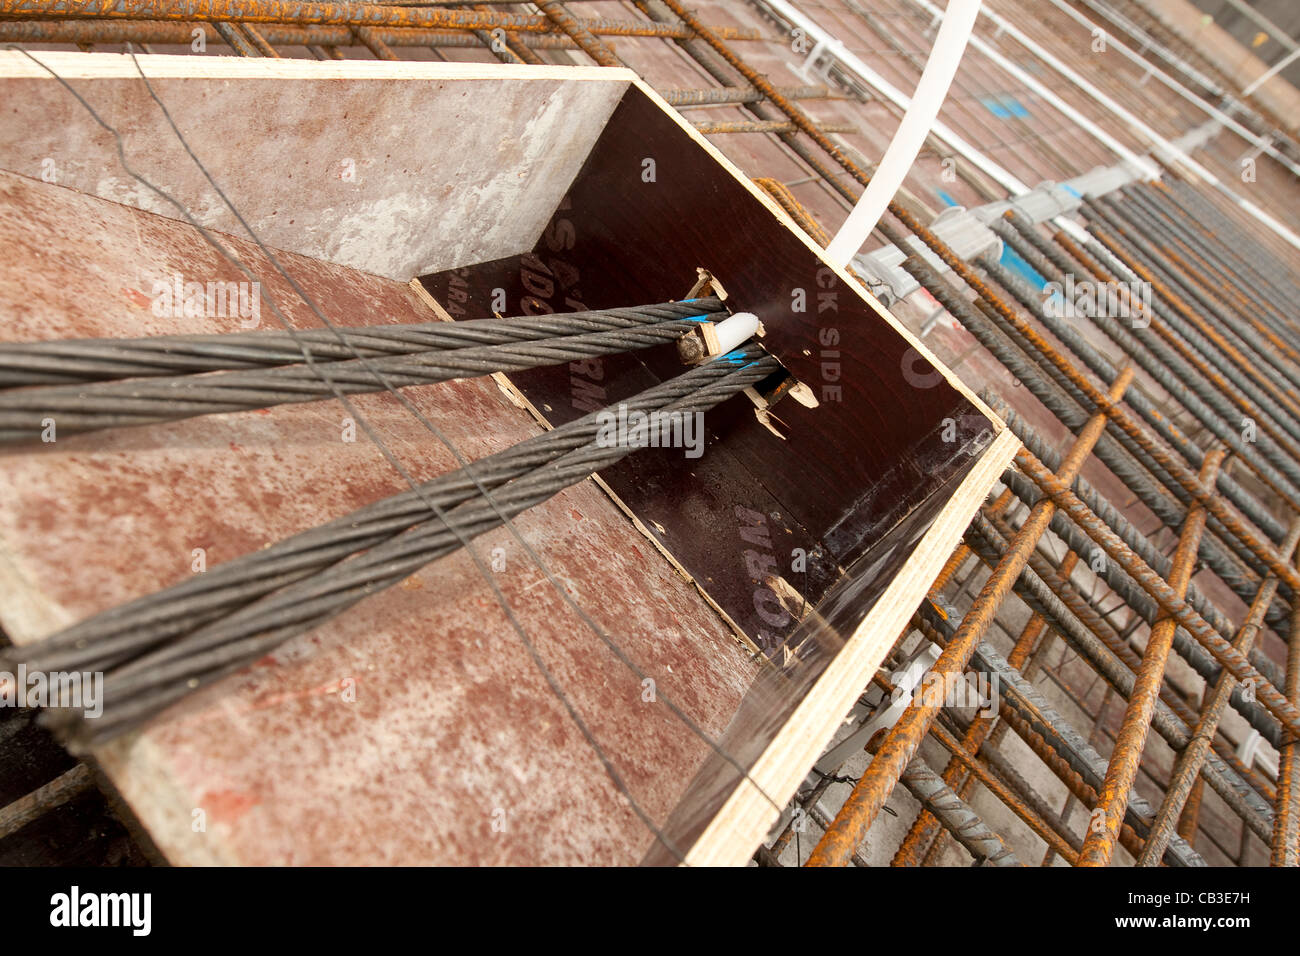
{"x": 390, "y": 190}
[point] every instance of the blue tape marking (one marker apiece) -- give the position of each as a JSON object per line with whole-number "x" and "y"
{"x": 994, "y": 106}
{"x": 947, "y": 199}
{"x": 1018, "y": 265}
{"x": 1071, "y": 190}
{"x": 1013, "y": 106}
{"x": 697, "y": 318}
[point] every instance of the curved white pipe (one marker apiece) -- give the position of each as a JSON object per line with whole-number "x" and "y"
{"x": 858, "y": 67}
{"x": 945, "y": 55}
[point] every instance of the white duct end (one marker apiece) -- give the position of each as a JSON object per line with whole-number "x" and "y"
{"x": 735, "y": 330}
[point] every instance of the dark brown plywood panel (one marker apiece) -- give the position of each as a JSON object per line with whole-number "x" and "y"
{"x": 648, "y": 208}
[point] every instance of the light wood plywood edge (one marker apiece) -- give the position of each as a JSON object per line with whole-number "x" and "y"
{"x": 736, "y": 831}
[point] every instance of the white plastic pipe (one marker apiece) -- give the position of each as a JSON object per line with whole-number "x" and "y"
{"x": 856, "y": 65}
{"x": 945, "y": 55}
{"x": 734, "y": 330}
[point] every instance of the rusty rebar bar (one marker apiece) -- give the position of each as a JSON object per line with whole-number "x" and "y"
{"x": 328, "y": 37}
{"x": 873, "y": 789}
{"x": 1196, "y": 341}
{"x": 1212, "y": 321}
{"x": 925, "y": 827}
{"x": 26, "y": 809}
{"x": 957, "y": 817}
{"x": 336, "y": 14}
{"x": 1159, "y": 589}
{"x": 1185, "y": 775}
{"x": 1118, "y": 665}
{"x": 371, "y": 40}
{"x": 1051, "y": 261}
{"x": 1026, "y": 813}
{"x": 1124, "y": 586}
{"x": 1099, "y": 844}
{"x": 719, "y": 127}
{"x": 259, "y": 42}
{"x": 728, "y": 95}
{"x": 1050, "y": 736}
{"x": 589, "y": 43}
{"x": 234, "y": 38}
{"x": 1286, "y": 816}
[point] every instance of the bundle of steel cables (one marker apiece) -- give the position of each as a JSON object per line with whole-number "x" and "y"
{"x": 159, "y": 648}
{"x": 90, "y": 384}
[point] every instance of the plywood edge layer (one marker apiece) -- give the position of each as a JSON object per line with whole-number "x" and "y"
{"x": 738, "y": 828}
{"x": 135, "y": 766}
{"x": 858, "y": 289}
{"x": 15, "y": 64}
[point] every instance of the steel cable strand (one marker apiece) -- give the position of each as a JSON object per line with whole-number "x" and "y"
{"x": 141, "y": 687}
{"x": 65, "y": 361}
{"x": 392, "y": 560}
{"x": 553, "y": 685}
{"x": 108, "y": 637}
{"x": 92, "y": 406}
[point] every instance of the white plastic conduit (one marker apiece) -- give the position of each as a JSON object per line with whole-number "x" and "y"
{"x": 735, "y": 329}
{"x": 856, "y": 65}
{"x": 945, "y": 54}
